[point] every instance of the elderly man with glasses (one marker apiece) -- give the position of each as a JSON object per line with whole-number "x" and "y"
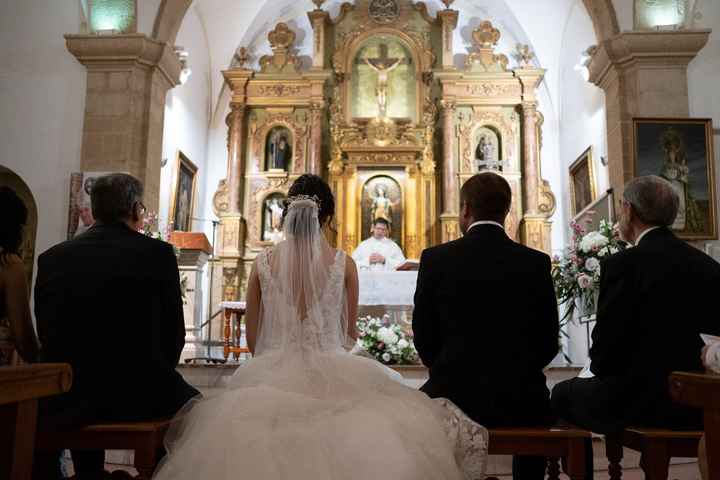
{"x": 653, "y": 304}
{"x": 108, "y": 302}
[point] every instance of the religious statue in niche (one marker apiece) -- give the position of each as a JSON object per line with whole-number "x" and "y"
{"x": 382, "y": 198}
{"x": 278, "y": 149}
{"x": 487, "y": 151}
{"x": 381, "y": 206}
{"x": 484, "y": 150}
{"x": 273, "y": 207}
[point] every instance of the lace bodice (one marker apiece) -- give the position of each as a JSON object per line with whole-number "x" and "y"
{"x": 318, "y": 331}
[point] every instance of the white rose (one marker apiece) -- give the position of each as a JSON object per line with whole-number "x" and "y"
{"x": 593, "y": 241}
{"x": 403, "y": 344}
{"x": 386, "y": 357}
{"x": 584, "y": 281}
{"x": 614, "y": 250}
{"x": 592, "y": 264}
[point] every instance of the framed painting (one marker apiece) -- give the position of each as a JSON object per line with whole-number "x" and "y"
{"x": 583, "y": 191}
{"x": 183, "y": 194}
{"x": 680, "y": 150}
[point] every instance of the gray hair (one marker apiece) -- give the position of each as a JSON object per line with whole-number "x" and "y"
{"x": 114, "y": 197}
{"x": 653, "y": 199}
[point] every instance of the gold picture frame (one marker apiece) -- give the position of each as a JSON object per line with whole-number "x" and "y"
{"x": 182, "y": 201}
{"x": 583, "y": 189}
{"x": 681, "y": 150}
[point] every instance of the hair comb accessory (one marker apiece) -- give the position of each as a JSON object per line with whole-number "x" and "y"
{"x": 303, "y": 200}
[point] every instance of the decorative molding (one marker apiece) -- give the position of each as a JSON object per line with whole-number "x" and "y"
{"x": 115, "y": 50}
{"x": 483, "y": 58}
{"x": 282, "y": 40}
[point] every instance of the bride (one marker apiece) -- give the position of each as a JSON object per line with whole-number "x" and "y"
{"x": 303, "y": 408}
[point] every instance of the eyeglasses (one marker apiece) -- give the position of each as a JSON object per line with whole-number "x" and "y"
{"x": 143, "y": 210}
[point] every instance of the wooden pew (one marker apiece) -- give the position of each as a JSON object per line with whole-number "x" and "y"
{"x": 554, "y": 443}
{"x": 145, "y": 438}
{"x": 702, "y": 390}
{"x": 656, "y": 447}
{"x": 20, "y": 388}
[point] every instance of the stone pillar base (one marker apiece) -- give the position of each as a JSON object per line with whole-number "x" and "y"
{"x": 535, "y": 232}
{"x": 449, "y": 227}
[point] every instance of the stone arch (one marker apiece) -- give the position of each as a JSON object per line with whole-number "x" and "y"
{"x": 8, "y": 178}
{"x": 604, "y": 19}
{"x": 169, "y": 18}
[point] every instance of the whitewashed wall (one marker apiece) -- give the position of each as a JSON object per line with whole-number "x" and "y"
{"x": 187, "y": 118}
{"x": 42, "y": 102}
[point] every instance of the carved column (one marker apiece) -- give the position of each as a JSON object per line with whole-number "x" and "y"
{"x": 531, "y": 168}
{"x": 450, "y": 198}
{"x": 319, "y": 19}
{"x": 235, "y": 171}
{"x": 448, "y": 19}
{"x": 128, "y": 77}
{"x": 316, "y": 111}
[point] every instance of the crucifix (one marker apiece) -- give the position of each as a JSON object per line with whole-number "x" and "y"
{"x": 383, "y": 65}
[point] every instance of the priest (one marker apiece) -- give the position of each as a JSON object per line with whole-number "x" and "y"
{"x": 379, "y": 253}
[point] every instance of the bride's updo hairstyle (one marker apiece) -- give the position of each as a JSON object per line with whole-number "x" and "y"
{"x": 312, "y": 186}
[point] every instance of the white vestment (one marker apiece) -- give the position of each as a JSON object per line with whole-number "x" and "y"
{"x": 387, "y": 248}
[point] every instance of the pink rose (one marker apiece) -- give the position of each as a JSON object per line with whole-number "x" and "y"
{"x": 584, "y": 281}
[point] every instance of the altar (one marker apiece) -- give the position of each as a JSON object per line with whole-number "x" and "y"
{"x": 387, "y": 293}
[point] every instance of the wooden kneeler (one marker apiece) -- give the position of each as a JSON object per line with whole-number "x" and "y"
{"x": 656, "y": 448}
{"x": 145, "y": 438}
{"x": 555, "y": 443}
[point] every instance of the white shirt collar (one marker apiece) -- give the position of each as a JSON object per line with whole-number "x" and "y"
{"x": 645, "y": 232}
{"x": 485, "y": 222}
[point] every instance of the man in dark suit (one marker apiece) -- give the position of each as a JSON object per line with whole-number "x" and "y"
{"x": 655, "y": 300}
{"x": 486, "y": 321}
{"x": 108, "y": 302}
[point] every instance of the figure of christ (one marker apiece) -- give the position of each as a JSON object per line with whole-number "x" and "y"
{"x": 383, "y": 65}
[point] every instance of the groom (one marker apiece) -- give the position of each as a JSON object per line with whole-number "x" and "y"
{"x": 486, "y": 321}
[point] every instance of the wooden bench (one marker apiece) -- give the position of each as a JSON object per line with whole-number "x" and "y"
{"x": 20, "y": 388}
{"x": 554, "y": 443}
{"x": 145, "y": 438}
{"x": 656, "y": 448}
{"x": 702, "y": 390}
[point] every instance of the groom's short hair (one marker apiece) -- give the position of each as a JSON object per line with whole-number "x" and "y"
{"x": 488, "y": 195}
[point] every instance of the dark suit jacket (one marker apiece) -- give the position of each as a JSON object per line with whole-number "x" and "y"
{"x": 108, "y": 303}
{"x": 486, "y": 324}
{"x": 655, "y": 300}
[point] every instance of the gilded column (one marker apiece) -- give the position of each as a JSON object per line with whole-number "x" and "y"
{"x": 531, "y": 168}
{"x": 235, "y": 173}
{"x": 450, "y": 178}
{"x": 450, "y": 198}
{"x": 448, "y": 19}
{"x": 318, "y": 19}
{"x": 316, "y": 139}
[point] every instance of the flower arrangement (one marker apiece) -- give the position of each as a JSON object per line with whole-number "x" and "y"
{"x": 385, "y": 341}
{"x": 577, "y": 274}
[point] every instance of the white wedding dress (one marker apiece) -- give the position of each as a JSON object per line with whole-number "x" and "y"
{"x": 305, "y": 409}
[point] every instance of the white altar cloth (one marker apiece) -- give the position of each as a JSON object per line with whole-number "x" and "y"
{"x": 387, "y": 288}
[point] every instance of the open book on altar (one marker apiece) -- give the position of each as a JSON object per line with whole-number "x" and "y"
{"x": 409, "y": 266}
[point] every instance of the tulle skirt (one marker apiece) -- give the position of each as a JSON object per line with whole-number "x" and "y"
{"x": 321, "y": 416}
